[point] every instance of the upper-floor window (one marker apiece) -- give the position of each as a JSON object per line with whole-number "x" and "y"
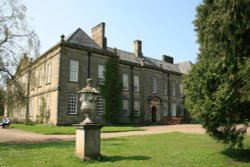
{"x": 72, "y": 104}
{"x": 40, "y": 77}
{"x": 136, "y": 108}
{"x": 100, "y": 106}
{"x": 101, "y": 78}
{"x": 154, "y": 86}
{"x": 125, "y": 108}
{"x": 173, "y": 109}
{"x": 181, "y": 90}
{"x": 48, "y": 73}
{"x": 165, "y": 88}
{"x": 73, "y": 70}
{"x": 125, "y": 82}
{"x": 172, "y": 88}
{"x": 136, "y": 83}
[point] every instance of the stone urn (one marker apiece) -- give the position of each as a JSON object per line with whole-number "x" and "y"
{"x": 88, "y": 100}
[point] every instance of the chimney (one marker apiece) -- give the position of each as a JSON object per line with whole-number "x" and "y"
{"x": 137, "y": 48}
{"x": 98, "y": 35}
{"x": 168, "y": 59}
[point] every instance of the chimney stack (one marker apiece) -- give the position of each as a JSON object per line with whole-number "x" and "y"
{"x": 137, "y": 48}
{"x": 98, "y": 35}
{"x": 168, "y": 59}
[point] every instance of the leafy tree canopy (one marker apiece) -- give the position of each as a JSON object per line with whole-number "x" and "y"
{"x": 218, "y": 86}
{"x": 16, "y": 37}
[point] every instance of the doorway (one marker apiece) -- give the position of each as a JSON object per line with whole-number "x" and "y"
{"x": 153, "y": 114}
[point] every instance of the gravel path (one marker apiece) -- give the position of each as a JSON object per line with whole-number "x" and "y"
{"x": 15, "y": 136}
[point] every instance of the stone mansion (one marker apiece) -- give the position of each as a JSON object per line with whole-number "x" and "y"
{"x": 152, "y": 89}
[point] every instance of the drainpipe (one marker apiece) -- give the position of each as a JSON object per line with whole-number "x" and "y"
{"x": 169, "y": 96}
{"x": 89, "y": 54}
{"x": 28, "y": 90}
{"x": 131, "y": 94}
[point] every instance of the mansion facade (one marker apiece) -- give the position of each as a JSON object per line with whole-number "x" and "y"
{"x": 152, "y": 89}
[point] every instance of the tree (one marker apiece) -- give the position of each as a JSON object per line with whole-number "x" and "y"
{"x": 16, "y": 37}
{"x": 111, "y": 90}
{"x": 216, "y": 88}
{"x": 2, "y": 101}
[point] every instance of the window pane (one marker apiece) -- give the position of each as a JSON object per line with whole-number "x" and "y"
{"x": 48, "y": 79}
{"x": 165, "y": 88}
{"x": 72, "y": 104}
{"x": 172, "y": 89}
{"x": 173, "y": 109}
{"x": 100, "y": 106}
{"x": 154, "y": 87}
{"x": 125, "y": 81}
{"x": 165, "y": 109}
{"x": 74, "y": 67}
{"x": 101, "y": 74}
{"x": 136, "y": 83}
{"x": 136, "y": 108}
{"x": 125, "y": 108}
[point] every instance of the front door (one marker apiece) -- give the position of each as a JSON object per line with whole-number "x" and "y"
{"x": 153, "y": 113}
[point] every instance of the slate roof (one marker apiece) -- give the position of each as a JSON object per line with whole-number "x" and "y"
{"x": 131, "y": 57}
{"x": 81, "y": 38}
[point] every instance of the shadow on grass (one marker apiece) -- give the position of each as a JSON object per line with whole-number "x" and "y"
{"x": 241, "y": 155}
{"x": 122, "y": 158}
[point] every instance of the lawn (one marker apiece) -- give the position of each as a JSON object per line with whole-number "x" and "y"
{"x": 70, "y": 130}
{"x": 161, "y": 150}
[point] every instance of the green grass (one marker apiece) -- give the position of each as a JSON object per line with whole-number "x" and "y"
{"x": 69, "y": 130}
{"x": 161, "y": 150}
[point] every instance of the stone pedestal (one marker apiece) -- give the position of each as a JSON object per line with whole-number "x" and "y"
{"x": 88, "y": 142}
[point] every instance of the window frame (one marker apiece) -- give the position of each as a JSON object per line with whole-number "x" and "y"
{"x": 100, "y": 108}
{"x": 48, "y": 73}
{"x": 154, "y": 85}
{"x": 136, "y": 84}
{"x": 165, "y": 109}
{"x": 165, "y": 87}
{"x": 125, "y": 107}
{"x": 173, "y": 109}
{"x": 125, "y": 82}
{"x": 73, "y": 106}
{"x": 172, "y": 88}
{"x": 136, "y": 109}
{"x": 73, "y": 70}
{"x": 101, "y": 70}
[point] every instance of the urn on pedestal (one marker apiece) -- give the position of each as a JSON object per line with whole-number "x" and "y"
{"x": 88, "y": 143}
{"x": 88, "y": 99}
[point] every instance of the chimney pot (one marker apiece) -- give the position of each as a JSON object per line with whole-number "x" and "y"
{"x": 98, "y": 35}
{"x": 168, "y": 59}
{"x": 138, "y": 48}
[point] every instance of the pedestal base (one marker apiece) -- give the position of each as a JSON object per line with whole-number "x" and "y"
{"x": 88, "y": 144}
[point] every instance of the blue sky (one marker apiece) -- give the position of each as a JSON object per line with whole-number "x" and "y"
{"x": 163, "y": 26}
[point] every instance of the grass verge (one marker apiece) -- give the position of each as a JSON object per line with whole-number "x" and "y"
{"x": 161, "y": 150}
{"x": 69, "y": 130}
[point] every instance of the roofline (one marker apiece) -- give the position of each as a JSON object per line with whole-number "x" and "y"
{"x": 149, "y": 67}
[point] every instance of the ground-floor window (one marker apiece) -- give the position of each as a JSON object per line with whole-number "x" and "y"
{"x": 181, "y": 111}
{"x": 100, "y": 106}
{"x": 125, "y": 108}
{"x": 136, "y": 108}
{"x": 72, "y": 104}
{"x": 165, "y": 109}
{"x": 173, "y": 109}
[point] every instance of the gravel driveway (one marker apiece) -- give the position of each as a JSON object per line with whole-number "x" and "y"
{"x": 15, "y": 136}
